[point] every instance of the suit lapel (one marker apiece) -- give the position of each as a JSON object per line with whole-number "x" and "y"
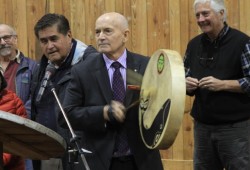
{"x": 103, "y": 79}
{"x": 104, "y": 82}
{"x": 134, "y": 66}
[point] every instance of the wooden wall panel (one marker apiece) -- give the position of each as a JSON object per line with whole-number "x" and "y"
{"x": 77, "y": 20}
{"x": 34, "y": 12}
{"x": 244, "y": 16}
{"x": 177, "y": 164}
{"x": 158, "y": 25}
{"x": 184, "y": 20}
{"x": 90, "y": 14}
{"x": 139, "y": 26}
{"x": 174, "y": 20}
{"x": 168, "y": 24}
{"x": 2, "y": 11}
{"x": 126, "y": 10}
{"x": 233, "y": 15}
{"x": 20, "y": 21}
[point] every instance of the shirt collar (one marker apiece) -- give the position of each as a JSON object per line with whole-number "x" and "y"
{"x": 222, "y": 33}
{"x": 56, "y": 66}
{"x": 122, "y": 60}
{"x": 18, "y": 58}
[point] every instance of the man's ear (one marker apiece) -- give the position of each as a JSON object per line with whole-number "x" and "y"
{"x": 125, "y": 34}
{"x": 69, "y": 34}
{"x": 222, "y": 13}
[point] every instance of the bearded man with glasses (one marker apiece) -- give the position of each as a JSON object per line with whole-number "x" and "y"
{"x": 16, "y": 68}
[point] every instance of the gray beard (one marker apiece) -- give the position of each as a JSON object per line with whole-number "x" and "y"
{"x": 5, "y": 52}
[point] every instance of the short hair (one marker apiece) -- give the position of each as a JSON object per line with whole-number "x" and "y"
{"x": 10, "y": 29}
{"x": 216, "y": 5}
{"x": 49, "y": 20}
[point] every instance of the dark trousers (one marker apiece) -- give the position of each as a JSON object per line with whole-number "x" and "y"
{"x": 123, "y": 163}
{"x": 222, "y": 146}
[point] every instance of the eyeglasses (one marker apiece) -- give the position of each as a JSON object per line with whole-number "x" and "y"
{"x": 6, "y": 38}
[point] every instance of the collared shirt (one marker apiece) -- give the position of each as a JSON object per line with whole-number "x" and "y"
{"x": 10, "y": 72}
{"x": 122, "y": 60}
{"x": 245, "y": 63}
{"x": 16, "y": 58}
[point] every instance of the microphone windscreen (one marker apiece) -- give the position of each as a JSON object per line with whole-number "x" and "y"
{"x": 51, "y": 68}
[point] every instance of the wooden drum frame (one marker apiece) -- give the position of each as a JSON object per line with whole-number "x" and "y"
{"x": 162, "y": 99}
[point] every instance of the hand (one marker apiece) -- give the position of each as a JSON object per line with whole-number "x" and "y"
{"x": 118, "y": 110}
{"x": 211, "y": 83}
{"x": 115, "y": 112}
{"x": 191, "y": 84}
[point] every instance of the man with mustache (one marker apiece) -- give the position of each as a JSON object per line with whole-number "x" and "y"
{"x": 16, "y": 68}
{"x": 60, "y": 51}
{"x": 217, "y": 65}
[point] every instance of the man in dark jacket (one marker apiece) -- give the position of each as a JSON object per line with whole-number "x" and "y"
{"x": 93, "y": 106}
{"x": 60, "y": 52}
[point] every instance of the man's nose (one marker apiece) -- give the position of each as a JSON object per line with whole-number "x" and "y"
{"x": 50, "y": 44}
{"x": 2, "y": 41}
{"x": 200, "y": 18}
{"x": 101, "y": 35}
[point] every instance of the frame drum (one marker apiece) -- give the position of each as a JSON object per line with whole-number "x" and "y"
{"x": 162, "y": 99}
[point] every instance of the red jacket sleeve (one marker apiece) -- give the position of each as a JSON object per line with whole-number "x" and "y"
{"x": 6, "y": 158}
{"x": 20, "y": 109}
{"x": 10, "y": 102}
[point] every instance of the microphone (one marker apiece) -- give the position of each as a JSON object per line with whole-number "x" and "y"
{"x": 50, "y": 70}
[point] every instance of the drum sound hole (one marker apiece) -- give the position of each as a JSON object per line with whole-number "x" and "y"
{"x": 153, "y": 134}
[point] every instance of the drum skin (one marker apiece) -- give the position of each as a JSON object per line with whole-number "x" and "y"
{"x": 162, "y": 99}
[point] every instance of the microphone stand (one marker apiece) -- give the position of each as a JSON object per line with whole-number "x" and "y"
{"x": 74, "y": 137}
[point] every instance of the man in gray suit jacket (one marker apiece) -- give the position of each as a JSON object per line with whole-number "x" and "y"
{"x": 90, "y": 105}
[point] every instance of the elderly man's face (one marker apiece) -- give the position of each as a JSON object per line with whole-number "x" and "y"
{"x": 8, "y": 42}
{"x": 110, "y": 37}
{"x": 209, "y": 21}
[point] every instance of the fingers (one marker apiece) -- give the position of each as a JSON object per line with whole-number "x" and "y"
{"x": 191, "y": 83}
{"x": 205, "y": 83}
{"x": 118, "y": 111}
{"x": 209, "y": 83}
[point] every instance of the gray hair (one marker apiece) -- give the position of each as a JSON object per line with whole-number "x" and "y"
{"x": 216, "y": 5}
{"x": 10, "y": 29}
